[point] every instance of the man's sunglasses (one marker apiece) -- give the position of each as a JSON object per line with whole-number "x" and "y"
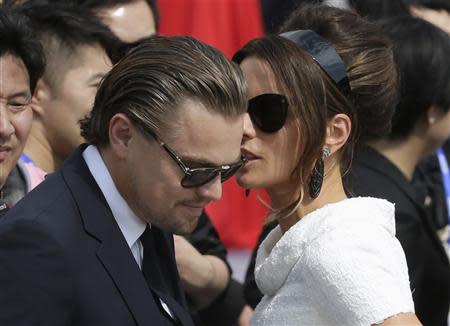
{"x": 268, "y": 111}
{"x": 196, "y": 177}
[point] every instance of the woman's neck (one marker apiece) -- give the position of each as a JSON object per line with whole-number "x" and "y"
{"x": 332, "y": 191}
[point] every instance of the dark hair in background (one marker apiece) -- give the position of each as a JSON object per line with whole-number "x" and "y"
{"x": 422, "y": 53}
{"x": 275, "y": 12}
{"x": 379, "y": 9}
{"x": 62, "y": 28}
{"x": 18, "y": 39}
{"x": 154, "y": 78}
{"x": 313, "y": 96}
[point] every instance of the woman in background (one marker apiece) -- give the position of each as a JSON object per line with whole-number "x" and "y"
{"x": 316, "y": 90}
{"x": 386, "y": 167}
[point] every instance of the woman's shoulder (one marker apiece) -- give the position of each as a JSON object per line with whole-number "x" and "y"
{"x": 358, "y": 215}
{"x": 352, "y": 229}
{"x": 358, "y": 259}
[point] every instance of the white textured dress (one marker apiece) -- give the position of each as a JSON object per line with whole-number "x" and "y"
{"x": 339, "y": 265}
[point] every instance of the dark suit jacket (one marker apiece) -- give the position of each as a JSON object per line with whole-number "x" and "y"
{"x": 429, "y": 270}
{"x": 64, "y": 260}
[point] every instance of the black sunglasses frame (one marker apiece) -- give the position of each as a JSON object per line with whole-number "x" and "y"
{"x": 208, "y": 173}
{"x": 268, "y": 111}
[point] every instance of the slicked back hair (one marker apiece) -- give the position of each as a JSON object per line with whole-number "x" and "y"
{"x": 153, "y": 79}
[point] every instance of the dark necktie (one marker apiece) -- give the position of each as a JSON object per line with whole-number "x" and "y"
{"x": 153, "y": 275}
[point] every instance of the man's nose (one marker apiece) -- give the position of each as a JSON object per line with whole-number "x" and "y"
{"x": 212, "y": 190}
{"x": 6, "y": 127}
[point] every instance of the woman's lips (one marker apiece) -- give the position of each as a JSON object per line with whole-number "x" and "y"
{"x": 248, "y": 155}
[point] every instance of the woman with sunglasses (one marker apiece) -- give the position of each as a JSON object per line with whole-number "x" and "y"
{"x": 324, "y": 84}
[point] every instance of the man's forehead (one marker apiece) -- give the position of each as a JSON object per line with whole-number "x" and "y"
{"x": 204, "y": 135}
{"x": 14, "y": 77}
{"x": 87, "y": 60}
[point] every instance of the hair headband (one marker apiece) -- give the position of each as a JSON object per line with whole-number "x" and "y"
{"x": 324, "y": 54}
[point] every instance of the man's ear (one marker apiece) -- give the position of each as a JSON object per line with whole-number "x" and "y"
{"x": 41, "y": 97}
{"x": 120, "y": 134}
{"x": 339, "y": 128}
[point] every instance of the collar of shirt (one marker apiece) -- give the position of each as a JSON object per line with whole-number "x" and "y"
{"x": 131, "y": 226}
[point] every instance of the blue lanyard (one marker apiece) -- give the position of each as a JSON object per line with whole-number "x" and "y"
{"x": 25, "y": 158}
{"x": 443, "y": 164}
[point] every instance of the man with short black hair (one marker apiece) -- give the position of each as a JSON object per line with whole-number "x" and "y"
{"x": 92, "y": 244}
{"x": 78, "y": 50}
{"x": 21, "y": 65}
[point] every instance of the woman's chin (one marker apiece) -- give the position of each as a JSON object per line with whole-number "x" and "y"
{"x": 247, "y": 181}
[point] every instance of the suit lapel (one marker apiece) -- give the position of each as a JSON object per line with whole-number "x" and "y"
{"x": 113, "y": 251}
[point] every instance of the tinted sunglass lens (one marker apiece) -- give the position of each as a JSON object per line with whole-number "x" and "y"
{"x": 198, "y": 178}
{"x": 268, "y": 111}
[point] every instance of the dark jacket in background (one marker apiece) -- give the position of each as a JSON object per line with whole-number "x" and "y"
{"x": 226, "y": 309}
{"x": 429, "y": 172}
{"x": 429, "y": 270}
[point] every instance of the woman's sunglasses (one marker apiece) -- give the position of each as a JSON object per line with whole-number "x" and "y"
{"x": 196, "y": 177}
{"x": 268, "y": 112}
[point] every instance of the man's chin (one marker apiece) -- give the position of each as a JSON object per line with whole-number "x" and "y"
{"x": 188, "y": 227}
{"x": 5, "y": 169}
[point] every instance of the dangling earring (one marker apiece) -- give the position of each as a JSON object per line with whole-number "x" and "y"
{"x": 316, "y": 178}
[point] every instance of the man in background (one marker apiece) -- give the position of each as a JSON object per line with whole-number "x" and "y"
{"x": 21, "y": 65}
{"x": 78, "y": 50}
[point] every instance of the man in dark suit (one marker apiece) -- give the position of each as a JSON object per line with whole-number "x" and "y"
{"x": 92, "y": 245}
